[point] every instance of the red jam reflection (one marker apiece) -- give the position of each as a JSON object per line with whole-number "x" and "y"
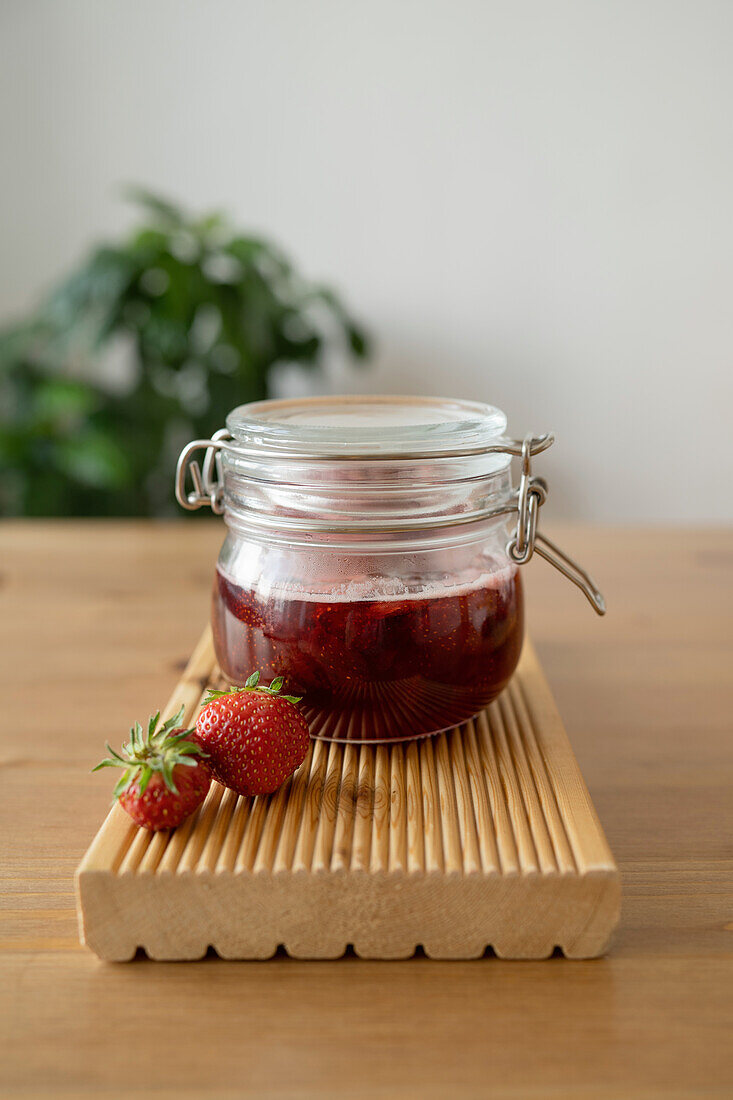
{"x": 376, "y": 670}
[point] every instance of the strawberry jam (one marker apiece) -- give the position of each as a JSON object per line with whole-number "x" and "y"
{"x": 376, "y": 670}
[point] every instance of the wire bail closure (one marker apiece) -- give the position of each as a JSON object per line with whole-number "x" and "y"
{"x": 527, "y": 540}
{"x": 208, "y": 481}
{"x": 208, "y": 490}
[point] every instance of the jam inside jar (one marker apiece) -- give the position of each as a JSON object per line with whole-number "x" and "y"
{"x": 419, "y": 658}
{"x": 372, "y": 556}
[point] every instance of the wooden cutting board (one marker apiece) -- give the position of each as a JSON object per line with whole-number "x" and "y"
{"x": 482, "y": 837}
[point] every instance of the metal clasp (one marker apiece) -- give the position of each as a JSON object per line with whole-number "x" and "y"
{"x": 208, "y": 480}
{"x": 531, "y": 495}
{"x": 208, "y": 490}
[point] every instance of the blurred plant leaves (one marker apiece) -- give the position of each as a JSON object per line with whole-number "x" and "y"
{"x": 93, "y": 458}
{"x": 202, "y": 313}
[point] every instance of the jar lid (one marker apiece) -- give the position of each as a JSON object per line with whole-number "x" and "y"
{"x": 431, "y": 465}
{"x": 377, "y": 427}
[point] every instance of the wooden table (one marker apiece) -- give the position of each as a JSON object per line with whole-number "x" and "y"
{"x": 96, "y": 622}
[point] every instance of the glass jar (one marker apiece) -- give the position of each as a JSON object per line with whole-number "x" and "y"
{"x": 368, "y": 558}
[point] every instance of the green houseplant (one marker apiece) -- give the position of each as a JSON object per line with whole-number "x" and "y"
{"x": 148, "y": 344}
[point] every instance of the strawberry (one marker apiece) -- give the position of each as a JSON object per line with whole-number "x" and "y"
{"x": 165, "y": 776}
{"x": 254, "y": 736}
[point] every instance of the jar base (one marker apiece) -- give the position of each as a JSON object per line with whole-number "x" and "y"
{"x": 319, "y": 724}
{"x": 423, "y": 735}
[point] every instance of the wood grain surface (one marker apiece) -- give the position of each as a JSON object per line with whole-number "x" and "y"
{"x": 97, "y": 620}
{"x": 498, "y": 808}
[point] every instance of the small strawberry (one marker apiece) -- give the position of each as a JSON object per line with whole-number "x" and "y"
{"x": 165, "y": 776}
{"x": 255, "y": 737}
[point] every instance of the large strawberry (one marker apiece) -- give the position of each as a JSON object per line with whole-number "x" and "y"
{"x": 165, "y": 775}
{"x": 254, "y": 736}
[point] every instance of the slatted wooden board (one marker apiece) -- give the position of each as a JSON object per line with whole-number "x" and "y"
{"x": 481, "y": 837}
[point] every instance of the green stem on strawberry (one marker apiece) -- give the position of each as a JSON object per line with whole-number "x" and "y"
{"x": 253, "y": 684}
{"x": 158, "y": 750}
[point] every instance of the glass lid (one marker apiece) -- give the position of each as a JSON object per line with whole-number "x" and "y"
{"x": 378, "y": 426}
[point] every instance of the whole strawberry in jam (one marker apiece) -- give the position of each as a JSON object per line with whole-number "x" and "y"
{"x": 254, "y": 737}
{"x": 165, "y": 776}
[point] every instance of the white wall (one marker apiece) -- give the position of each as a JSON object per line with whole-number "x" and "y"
{"x": 529, "y": 202}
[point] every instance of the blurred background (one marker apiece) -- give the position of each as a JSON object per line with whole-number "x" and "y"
{"x": 526, "y": 203}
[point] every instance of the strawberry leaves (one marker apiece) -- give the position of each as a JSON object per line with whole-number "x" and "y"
{"x": 157, "y": 750}
{"x": 253, "y": 684}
